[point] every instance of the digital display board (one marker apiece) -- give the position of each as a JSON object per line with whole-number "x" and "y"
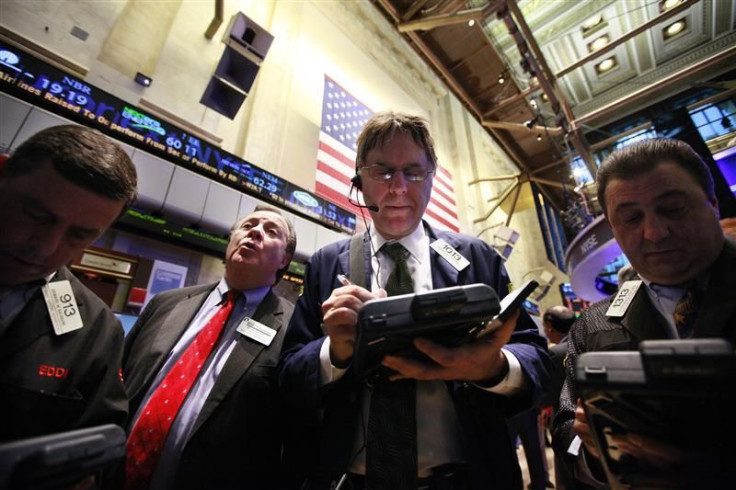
{"x": 34, "y": 80}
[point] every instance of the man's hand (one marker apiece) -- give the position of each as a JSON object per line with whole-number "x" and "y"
{"x": 340, "y": 317}
{"x": 478, "y": 360}
{"x": 582, "y": 429}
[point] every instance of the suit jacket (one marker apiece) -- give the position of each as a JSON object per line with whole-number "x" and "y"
{"x": 51, "y": 383}
{"x": 238, "y": 435}
{"x": 485, "y": 440}
{"x": 594, "y": 331}
{"x": 557, "y": 354}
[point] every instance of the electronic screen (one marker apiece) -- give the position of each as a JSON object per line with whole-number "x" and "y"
{"x": 34, "y": 80}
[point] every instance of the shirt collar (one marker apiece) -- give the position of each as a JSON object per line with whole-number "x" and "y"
{"x": 675, "y": 292}
{"x": 413, "y": 242}
{"x": 253, "y": 296}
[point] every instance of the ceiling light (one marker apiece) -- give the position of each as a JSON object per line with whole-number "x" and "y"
{"x": 533, "y": 103}
{"x": 501, "y": 79}
{"x": 669, "y": 4}
{"x": 539, "y": 137}
{"x": 529, "y": 124}
{"x": 605, "y": 65}
{"x": 598, "y": 43}
{"x": 592, "y": 22}
{"x": 674, "y": 29}
{"x": 471, "y": 22}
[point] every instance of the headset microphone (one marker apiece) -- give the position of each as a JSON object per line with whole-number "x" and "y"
{"x": 357, "y": 183}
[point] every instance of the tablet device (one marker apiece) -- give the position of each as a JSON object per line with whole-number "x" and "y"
{"x": 60, "y": 460}
{"x": 449, "y": 316}
{"x": 675, "y": 391}
{"x": 513, "y": 301}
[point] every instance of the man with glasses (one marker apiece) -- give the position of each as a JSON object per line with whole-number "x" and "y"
{"x": 445, "y": 422}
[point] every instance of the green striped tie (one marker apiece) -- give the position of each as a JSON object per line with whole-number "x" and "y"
{"x": 400, "y": 281}
{"x": 391, "y": 452}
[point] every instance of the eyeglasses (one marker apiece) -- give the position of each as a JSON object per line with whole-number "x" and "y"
{"x": 412, "y": 173}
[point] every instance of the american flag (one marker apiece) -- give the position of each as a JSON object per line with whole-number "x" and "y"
{"x": 343, "y": 116}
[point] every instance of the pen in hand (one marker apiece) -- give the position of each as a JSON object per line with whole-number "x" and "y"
{"x": 344, "y": 280}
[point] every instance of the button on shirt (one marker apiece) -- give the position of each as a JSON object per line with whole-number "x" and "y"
{"x": 181, "y": 429}
{"x": 438, "y": 435}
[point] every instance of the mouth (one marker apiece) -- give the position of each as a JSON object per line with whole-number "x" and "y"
{"x": 23, "y": 262}
{"x": 249, "y": 246}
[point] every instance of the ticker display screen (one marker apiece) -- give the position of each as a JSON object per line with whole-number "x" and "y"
{"x": 34, "y": 80}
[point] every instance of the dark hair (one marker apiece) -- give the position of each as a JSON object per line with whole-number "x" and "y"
{"x": 644, "y": 156}
{"x": 383, "y": 126}
{"x": 83, "y": 156}
{"x": 290, "y": 240}
{"x": 560, "y": 318}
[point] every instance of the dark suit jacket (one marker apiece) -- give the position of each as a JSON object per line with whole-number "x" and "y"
{"x": 51, "y": 383}
{"x": 238, "y": 435}
{"x": 594, "y": 331}
{"x": 557, "y": 354}
{"x": 486, "y": 443}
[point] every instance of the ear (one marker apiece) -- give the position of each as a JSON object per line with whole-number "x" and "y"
{"x": 287, "y": 258}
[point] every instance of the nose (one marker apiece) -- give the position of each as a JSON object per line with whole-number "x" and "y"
{"x": 45, "y": 244}
{"x": 398, "y": 182}
{"x": 255, "y": 231}
{"x": 655, "y": 228}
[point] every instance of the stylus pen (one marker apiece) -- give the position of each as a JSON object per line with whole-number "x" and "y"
{"x": 344, "y": 280}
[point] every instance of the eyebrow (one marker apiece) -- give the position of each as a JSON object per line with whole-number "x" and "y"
{"x": 660, "y": 197}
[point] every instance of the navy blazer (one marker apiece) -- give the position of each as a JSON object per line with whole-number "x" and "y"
{"x": 487, "y": 447}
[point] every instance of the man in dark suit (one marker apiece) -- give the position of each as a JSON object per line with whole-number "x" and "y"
{"x": 227, "y": 431}
{"x": 58, "y": 192}
{"x": 456, "y": 422}
{"x": 659, "y": 200}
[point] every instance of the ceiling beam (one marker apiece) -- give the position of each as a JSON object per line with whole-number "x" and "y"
{"x": 510, "y": 126}
{"x": 613, "y": 44}
{"x": 529, "y": 49}
{"x": 413, "y": 9}
{"x": 427, "y": 23}
{"x": 514, "y": 98}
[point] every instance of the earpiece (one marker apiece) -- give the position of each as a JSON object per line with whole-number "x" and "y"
{"x": 357, "y": 181}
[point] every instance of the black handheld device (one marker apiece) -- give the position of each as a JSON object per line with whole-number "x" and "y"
{"x": 672, "y": 391}
{"x": 515, "y": 299}
{"x": 449, "y": 316}
{"x": 62, "y": 459}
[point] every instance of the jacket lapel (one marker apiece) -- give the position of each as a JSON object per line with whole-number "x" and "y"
{"x": 172, "y": 328}
{"x": 33, "y": 321}
{"x": 443, "y": 274}
{"x": 269, "y": 313}
{"x": 642, "y": 320}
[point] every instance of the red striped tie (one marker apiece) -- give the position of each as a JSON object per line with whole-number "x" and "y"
{"x": 146, "y": 440}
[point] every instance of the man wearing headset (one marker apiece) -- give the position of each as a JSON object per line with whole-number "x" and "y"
{"x": 461, "y": 397}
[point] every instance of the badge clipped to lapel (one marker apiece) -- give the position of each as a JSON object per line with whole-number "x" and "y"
{"x": 623, "y": 299}
{"x": 62, "y": 307}
{"x": 451, "y": 255}
{"x": 257, "y": 331}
